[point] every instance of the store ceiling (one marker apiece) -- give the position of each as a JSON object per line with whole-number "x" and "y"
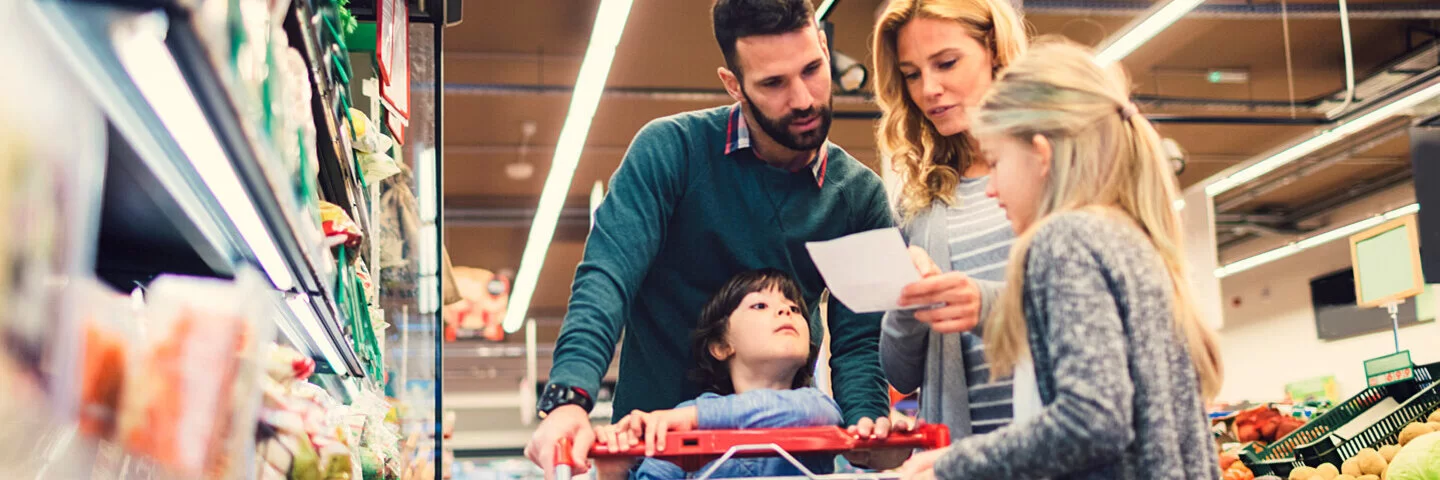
{"x": 668, "y": 44}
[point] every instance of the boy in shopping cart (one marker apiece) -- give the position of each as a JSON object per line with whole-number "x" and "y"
{"x": 755, "y": 358}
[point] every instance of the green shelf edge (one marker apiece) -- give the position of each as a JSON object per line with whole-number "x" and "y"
{"x": 362, "y": 39}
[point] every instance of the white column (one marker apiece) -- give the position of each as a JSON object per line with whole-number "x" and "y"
{"x": 1197, "y": 217}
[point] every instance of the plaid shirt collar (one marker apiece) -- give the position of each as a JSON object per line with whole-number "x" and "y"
{"x": 737, "y": 137}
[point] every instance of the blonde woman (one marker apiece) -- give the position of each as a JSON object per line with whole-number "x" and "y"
{"x": 935, "y": 58}
{"x": 1097, "y": 306}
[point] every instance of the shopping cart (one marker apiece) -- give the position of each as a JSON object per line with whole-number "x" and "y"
{"x": 692, "y": 450}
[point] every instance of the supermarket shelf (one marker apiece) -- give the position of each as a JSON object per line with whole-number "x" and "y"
{"x": 208, "y": 183}
{"x": 262, "y": 184}
{"x": 246, "y": 153}
{"x": 339, "y": 181}
{"x": 148, "y": 165}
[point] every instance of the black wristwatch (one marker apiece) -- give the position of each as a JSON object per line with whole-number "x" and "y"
{"x": 556, "y": 396}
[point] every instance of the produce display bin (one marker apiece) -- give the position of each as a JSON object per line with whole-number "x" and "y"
{"x": 1335, "y": 450}
{"x": 1279, "y": 458}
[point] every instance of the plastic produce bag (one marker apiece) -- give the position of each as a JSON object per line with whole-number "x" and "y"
{"x": 371, "y": 149}
{"x": 50, "y": 190}
{"x": 196, "y": 402}
{"x": 285, "y": 365}
{"x": 398, "y": 231}
{"x": 288, "y": 402}
{"x": 339, "y": 228}
{"x": 108, "y": 323}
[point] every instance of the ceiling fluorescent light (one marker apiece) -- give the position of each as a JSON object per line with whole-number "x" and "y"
{"x": 1402, "y": 211}
{"x": 1313, "y": 241}
{"x": 594, "y": 69}
{"x": 823, "y": 11}
{"x": 155, "y": 73}
{"x": 1143, "y": 29}
{"x": 1321, "y": 140}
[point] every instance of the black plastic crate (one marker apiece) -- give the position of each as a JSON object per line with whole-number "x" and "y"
{"x": 1335, "y": 450}
{"x": 1278, "y": 458}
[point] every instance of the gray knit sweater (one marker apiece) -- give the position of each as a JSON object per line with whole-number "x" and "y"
{"x": 1122, "y": 400}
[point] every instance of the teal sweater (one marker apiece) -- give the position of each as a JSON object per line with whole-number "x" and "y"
{"x": 681, "y": 218}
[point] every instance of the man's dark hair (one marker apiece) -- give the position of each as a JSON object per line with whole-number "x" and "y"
{"x": 736, "y": 19}
{"x": 713, "y": 374}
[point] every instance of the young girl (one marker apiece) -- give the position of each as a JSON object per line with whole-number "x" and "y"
{"x": 1097, "y": 311}
{"x": 755, "y": 357}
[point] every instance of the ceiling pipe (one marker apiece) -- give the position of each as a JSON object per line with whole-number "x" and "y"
{"x": 1156, "y": 118}
{"x": 510, "y": 217}
{"x": 712, "y": 96}
{"x": 1417, "y": 59}
{"x": 1317, "y": 209}
{"x": 1243, "y": 228}
{"x": 720, "y": 97}
{"x": 1309, "y": 168}
{"x": 1373, "y": 11}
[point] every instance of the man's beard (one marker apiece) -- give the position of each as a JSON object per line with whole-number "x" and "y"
{"x": 779, "y": 129}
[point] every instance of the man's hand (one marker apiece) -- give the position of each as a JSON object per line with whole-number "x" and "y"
{"x": 879, "y": 429}
{"x": 567, "y": 421}
{"x": 957, "y": 297}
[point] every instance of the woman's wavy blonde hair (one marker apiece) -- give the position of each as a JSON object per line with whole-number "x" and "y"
{"x": 930, "y": 164}
{"x": 1106, "y": 158}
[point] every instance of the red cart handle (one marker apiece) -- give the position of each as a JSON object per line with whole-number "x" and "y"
{"x": 692, "y": 450}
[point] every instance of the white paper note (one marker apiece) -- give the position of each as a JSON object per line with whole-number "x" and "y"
{"x": 866, "y": 270}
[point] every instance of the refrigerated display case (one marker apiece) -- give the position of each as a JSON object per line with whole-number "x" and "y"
{"x": 195, "y": 283}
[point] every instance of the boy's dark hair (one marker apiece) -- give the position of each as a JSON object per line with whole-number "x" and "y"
{"x": 714, "y": 375}
{"x": 736, "y": 19}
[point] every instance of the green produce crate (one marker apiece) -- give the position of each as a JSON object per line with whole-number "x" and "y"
{"x": 1278, "y": 458}
{"x": 1314, "y": 442}
{"x": 1335, "y": 450}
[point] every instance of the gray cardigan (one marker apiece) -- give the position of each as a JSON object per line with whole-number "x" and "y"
{"x": 1121, "y": 399}
{"x": 914, "y": 358}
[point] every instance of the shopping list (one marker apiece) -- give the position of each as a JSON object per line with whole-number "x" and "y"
{"x": 866, "y": 270}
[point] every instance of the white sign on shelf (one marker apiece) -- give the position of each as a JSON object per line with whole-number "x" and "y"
{"x": 392, "y": 51}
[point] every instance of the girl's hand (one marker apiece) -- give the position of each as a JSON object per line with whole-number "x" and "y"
{"x": 619, "y": 437}
{"x": 654, "y": 426}
{"x": 922, "y": 465}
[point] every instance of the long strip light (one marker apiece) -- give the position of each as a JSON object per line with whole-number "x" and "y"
{"x": 304, "y": 313}
{"x": 589, "y": 84}
{"x": 823, "y": 11}
{"x": 1321, "y": 140}
{"x": 1142, "y": 30}
{"x": 1313, "y": 241}
{"x": 160, "y": 81}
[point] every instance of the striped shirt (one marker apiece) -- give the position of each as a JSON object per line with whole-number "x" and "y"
{"x": 980, "y": 239}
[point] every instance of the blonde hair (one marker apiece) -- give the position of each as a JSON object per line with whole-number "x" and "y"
{"x": 929, "y": 163}
{"x": 1106, "y": 158}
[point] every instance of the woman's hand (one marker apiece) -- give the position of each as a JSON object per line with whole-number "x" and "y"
{"x": 653, "y": 427}
{"x": 957, "y": 299}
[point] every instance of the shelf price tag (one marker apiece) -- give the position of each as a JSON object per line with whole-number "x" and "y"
{"x": 392, "y": 51}
{"x": 1389, "y": 369}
